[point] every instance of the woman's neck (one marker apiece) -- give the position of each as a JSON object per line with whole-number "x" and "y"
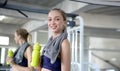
{"x": 21, "y": 42}
{"x": 55, "y": 35}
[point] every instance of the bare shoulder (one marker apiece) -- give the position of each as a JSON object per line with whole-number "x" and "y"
{"x": 65, "y": 44}
{"x": 65, "y": 48}
{"x": 29, "y": 48}
{"x": 28, "y": 51}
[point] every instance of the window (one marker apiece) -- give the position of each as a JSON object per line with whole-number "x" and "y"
{"x": 3, "y": 56}
{"x": 4, "y": 40}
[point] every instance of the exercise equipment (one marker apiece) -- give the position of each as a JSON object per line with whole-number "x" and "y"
{"x": 36, "y": 55}
{"x": 76, "y": 37}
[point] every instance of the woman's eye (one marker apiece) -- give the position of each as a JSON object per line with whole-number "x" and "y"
{"x": 58, "y": 19}
{"x": 49, "y": 19}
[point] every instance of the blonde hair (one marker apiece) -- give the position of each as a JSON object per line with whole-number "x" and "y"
{"x": 61, "y": 12}
{"x": 24, "y": 34}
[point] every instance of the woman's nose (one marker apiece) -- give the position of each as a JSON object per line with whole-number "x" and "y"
{"x": 53, "y": 22}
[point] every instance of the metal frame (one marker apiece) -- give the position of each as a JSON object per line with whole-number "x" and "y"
{"x": 78, "y": 64}
{"x": 75, "y": 47}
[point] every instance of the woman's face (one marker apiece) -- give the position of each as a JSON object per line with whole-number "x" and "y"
{"x": 16, "y": 38}
{"x": 56, "y": 22}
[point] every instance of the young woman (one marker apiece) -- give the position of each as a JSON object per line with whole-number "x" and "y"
{"x": 23, "y": 55}
{"x": 56, "y": 53}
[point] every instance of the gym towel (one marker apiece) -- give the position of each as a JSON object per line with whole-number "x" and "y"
{"x": 53, "y": 46}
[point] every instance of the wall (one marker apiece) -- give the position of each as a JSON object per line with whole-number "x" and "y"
{"x": 101, "y": 21}
{"x": 40, "y": 36}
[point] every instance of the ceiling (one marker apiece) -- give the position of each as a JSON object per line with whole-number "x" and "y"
{"x": 99, "y": 9}
{"x": 101, "y": 2}
{"x": 106, "y": 7}
{"x": 13, "y": 20}
{"x": 19, "y": 12}
{"x": 25, "y": 5}
{"x": 22, "y": 11}
{"x": 106, "y": 10}
{"x": 42, "y": 3}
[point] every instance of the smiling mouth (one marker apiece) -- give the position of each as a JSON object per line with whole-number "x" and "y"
{"x": 53, "y": 27}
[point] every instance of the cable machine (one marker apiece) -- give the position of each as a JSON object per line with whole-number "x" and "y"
{"x": 76, "y": 38}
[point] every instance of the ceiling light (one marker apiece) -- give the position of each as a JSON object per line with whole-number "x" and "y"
{"x": 110, "y": 70}
{"x": 2, "y": 17}
{"x": 113, "y": 59}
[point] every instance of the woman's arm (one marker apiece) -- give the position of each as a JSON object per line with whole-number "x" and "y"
{"x": 65, "y": 56}
{"x": 28, "y": 55}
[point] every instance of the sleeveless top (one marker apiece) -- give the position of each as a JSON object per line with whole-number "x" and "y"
{"x": 45, "y": 63}
{"x": 19, "y": 55}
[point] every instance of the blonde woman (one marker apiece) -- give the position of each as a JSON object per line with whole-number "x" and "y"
{"x": 22, "y": 56}
{"x": 56, "y": 53}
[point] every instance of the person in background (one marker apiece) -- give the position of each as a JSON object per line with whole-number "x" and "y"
{"x": 56, "y": 53}
{"x": 23, "y": 55}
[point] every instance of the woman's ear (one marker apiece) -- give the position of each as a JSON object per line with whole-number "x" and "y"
{"x": 65, "y": 24}
{"x": 19, "y": 36}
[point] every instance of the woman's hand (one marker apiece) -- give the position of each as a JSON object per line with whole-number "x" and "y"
{"x": 10, "y": 60}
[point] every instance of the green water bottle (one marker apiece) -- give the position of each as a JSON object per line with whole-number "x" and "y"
{"x": 36, "y": 55}
{"x": 10, "y": 54}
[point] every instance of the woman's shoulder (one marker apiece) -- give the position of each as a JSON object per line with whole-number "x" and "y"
{"x": 29, "y": 47}
{"x": 65, "y": 43}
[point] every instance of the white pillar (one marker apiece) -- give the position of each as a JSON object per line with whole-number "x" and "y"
{"x": 81, "y": 42}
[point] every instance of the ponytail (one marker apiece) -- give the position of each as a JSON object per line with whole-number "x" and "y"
{"x": 29, "y": 38}
{"x": 24, "y": 34}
